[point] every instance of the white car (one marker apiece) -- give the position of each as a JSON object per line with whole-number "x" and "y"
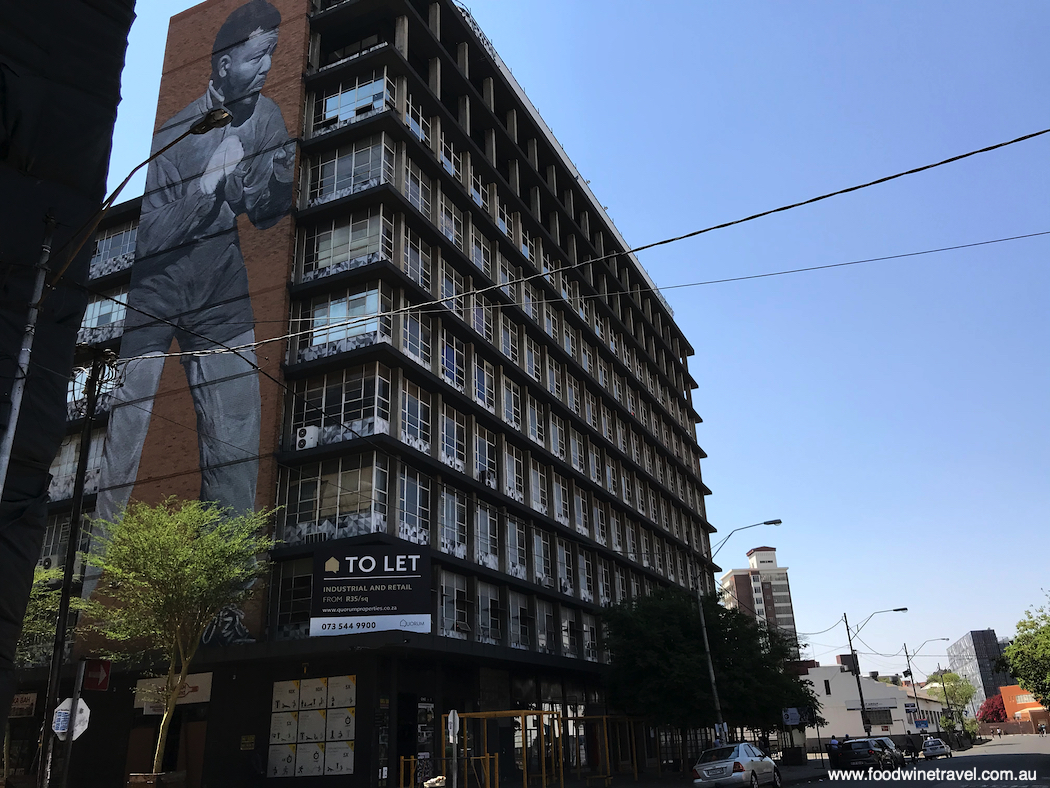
{"x": 735, "y": 764}
{"x": 935, "y": 748}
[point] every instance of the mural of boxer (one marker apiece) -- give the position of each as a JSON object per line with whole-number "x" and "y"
{"x": 189, "y": 269}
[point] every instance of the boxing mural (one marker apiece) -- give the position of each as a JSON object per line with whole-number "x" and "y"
{"x": 189, "y": 290}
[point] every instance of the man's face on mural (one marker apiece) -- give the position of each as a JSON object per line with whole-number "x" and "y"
{"x": 243, "y": 69}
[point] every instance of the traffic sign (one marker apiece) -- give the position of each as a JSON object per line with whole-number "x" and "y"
{"x": 96, "y": 674}
{"x": 453, "y": 726}
{"x": 60, "y": 722}
{"x": 791, "y": 716}
{"x": 922, "y": 724}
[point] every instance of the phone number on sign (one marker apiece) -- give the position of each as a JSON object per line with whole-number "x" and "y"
{"x": 347, "y": 625}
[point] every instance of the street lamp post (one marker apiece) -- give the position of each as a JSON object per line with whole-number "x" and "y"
{"x": 720, "y": 725}
{"x": 914, "y": 689}
{"x": 856, "y": 662}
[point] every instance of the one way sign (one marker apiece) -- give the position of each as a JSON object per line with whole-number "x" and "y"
{"x": 96, "y": 674}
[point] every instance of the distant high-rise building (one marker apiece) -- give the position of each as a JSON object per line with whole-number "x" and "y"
{"x": 762, "y": 591}
{"x": 973, "y": 657}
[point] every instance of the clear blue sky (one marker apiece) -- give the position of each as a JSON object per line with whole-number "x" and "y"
{"x": 893, "y": 414}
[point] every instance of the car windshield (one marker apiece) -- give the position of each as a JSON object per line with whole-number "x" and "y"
{"x": 932, "y": 743}
{"x": 859, "y": 745}
{"x": 718, "y": 754}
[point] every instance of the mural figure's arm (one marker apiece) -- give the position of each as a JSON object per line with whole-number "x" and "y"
{"x": 175, "y": 209}
{"x": 262, "y": 186}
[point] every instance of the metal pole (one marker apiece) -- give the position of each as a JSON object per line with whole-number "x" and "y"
{"x": 856, "y": 673}
{"x": 78, "y": 688}
{"x": 22, "y": 373}
{"x": 58, "y": 650}
{"x": 710, "y": 662}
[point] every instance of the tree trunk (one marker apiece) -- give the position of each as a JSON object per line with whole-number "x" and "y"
{"x": 169, "y": 712}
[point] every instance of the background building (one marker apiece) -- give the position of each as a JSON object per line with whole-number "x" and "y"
{"x": 974, "y": 657}
{"x": 451, "y": 354}
{"x": 762, "y": 591}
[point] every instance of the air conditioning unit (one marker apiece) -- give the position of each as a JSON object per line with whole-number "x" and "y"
{"x": 306, "y": 437}
{"x": 49, "y": 561}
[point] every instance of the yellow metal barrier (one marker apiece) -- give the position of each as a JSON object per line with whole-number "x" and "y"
{"x": 484, "y": 769}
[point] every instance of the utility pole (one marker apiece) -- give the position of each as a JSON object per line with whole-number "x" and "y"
{"x": 856, "y": 673}
{"x": 720, "y": 725}
{"x": 99, "y": 361}
{"x": 18, "y": 388}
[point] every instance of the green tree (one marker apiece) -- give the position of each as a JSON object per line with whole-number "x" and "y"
{"x": 1029, "y": 654}
{"x": 659, "y": 666}
{"x": 167, "y": 571}
{"x": 38, "y": 627}
{"x": 958, "y": 692}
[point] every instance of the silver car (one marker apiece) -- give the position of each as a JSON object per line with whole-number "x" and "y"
{"x": 935, "y": 748}
{"x": 735, "y": 764}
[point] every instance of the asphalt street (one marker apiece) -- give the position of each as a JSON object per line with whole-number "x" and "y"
{"x": 1010, "y": 762}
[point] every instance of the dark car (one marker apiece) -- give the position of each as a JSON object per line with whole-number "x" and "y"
{"x": 863, "y": 754}
{"x": 894, "y": 753}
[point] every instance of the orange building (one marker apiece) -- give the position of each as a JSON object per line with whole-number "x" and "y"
{"x": 1022, "y": 706}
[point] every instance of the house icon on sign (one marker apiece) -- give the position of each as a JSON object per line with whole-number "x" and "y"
{"x": 331, "y": 565}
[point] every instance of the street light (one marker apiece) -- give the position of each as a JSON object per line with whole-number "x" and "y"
{"x": 856, "y": 663}
{"x": 720, "y": 724}
{"x": 914, "y": 690}
{"x": 742, "y": 528}
{"x": 213, "y": 119}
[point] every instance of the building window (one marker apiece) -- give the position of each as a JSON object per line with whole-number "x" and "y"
{"x": 557, "y": 437}
{"x": 566, "y": 579}
{"x": 517, "y": 553}
{"x": 576, "y": 450}
{"x": 114, "y": 242}
{"x": 508, "y": 278}
{"x": 450, "y": 159}
{"x": 481, "y": 252}
{"x": 450, "y": 222}
{"x": 601, "y": 526}
{"x": 415, "y": 417}
{"x": 352, "y": 100}
{"x": 415, "y": 260}
{"x": 479, "y": 191}
{"x": 545, "y": 631}
{"x": 453, "y": 438}
{"x": 554, "y": 377}
{"x": 414, "y": 514}
{"x": 512, "y": 404}
{"x": 489, "y": 629}
{"x": 590, "y": 637}
{"x": 343, "y": 404}
{"x": 538, "y": 487}
{"x": 561, "y": 499}
{"x": 519, "y": 621}
{"x": 417, "y": 123}
{"x": 343, "y": 315}
{"x": 530, "y": 300}
{"x": 580, "y": 513}
{"x": 486, "y": 536}
{"x": 536, "y": 420}
{"x": 106, "y": 310}
{"x": 455, "y": 606}
{"x": 514, "y": 473}
{"x": 570, "y": 637}
{"x": 481, "y": 318}
{"x": 542, "y": 564}
{"x": 508, "y": 332}
{"x": 415, "y": 337}
{"x": 616, "y": 530}
{"x": 569, "y": 342}
{"x": 533, "y": 360}
{"x": 605, "y": 590}
{"x": 452, "y": 289}
{"x": 417, "y": 188}
{"x": 334, "y": 499}
{"x": 504, "y": 218}
{"x": 453, "y": 360}
{"x": 453, "y": 514}
{"x": 350, "y": 169}
{"x": 485, "y": 456}
{"x": 484, "y": 384}
{"x": 295, "y": 590}
{"x": 586, "y": 570}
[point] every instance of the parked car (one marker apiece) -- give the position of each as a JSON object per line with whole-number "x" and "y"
{"x": 735, "y": 764}
{"x": 935, "y": 748}
{"x": 863, "y": 754}
{"x": 894, "y": 753}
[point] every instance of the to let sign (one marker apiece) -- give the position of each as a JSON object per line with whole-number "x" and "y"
{"x": 370, "y": 588}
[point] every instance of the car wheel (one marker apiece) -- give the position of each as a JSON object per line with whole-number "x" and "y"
{"x": 754, "y": 780}
{"x": 777, "y": 782}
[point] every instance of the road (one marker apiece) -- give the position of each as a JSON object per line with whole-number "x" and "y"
{"x": 1010, "y": 762}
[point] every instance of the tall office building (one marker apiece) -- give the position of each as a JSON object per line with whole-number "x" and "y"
{"x": 429, "y": 343}
{"x": 974, "y": 657}
{"x": 762, "y": 591}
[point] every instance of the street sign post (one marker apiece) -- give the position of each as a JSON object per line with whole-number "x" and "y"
{"x": 453, "y": 738}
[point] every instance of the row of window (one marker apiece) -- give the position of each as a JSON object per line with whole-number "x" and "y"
{"x": 330, "y": 322}
{"x": 367, "y": 162}
{"x": 357, "y": 401}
